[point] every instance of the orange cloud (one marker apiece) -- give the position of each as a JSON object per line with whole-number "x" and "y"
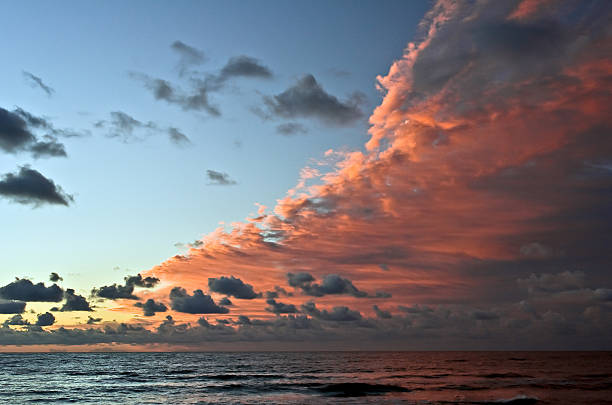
{"x": 492, "y": 135}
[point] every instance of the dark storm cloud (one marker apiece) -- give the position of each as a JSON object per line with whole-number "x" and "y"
{"x": 308, "y": 99}
{"x": 11, "y": 307}
{"x": 24, "y": 290}
{"x": 36, "y": 81}
{"x": 219, "y": 178}
{"x": 75, "y": 302}
{"x": 331, "y": 284}
{"x": 126, "y": 291}
{"x": 189, "y": 56}
{"x": 232, "y": 286}
{"x": 46, "y": 319}
{"x": 225, "y": 301}
{"x": 337, "y": 314}
{"x": 28, "y": 186}
{"x": 291, "y": 128}
{"x": 150, "y": 307}
{"x": 280, "y": 308}
{"x": 198, "y": 303}
{"x": 244, "y": 66}
{"x": 54, "y": 277}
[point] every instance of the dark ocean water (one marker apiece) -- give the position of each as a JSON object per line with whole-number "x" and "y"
{"x": 308, "y": 378}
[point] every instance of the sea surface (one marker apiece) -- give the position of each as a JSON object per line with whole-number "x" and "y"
{"x": 308, "y": 378}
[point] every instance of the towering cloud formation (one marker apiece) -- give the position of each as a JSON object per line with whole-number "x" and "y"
{"x": 489, "y": 160}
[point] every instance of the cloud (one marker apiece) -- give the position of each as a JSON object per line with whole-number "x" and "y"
{"x": 189, "y": 56}
{"x": 332, "y": 284}
{"x": 16, "y": 135}
{"x": 280, "y": 308}
{"x": 485, "y": 315}
{"x": 75, "y": 302}
{"x": 46, "y": 319}
{"x": 198, "y": 303}
{"x": 232, "y": 286}
{"x": 474, "y": 155}
{"x": 92, "y": 321}
{"x": 225, "y": 302}
{"x": 244, "y": 66}
{"x": 28, "y": 186}
{"x": 115, "y": 291}
{"x": 291, "y": 128}
{"x": 337, "y": 314}
{"x": 36, "y": 82}
{"x": 50, "y": 147}
{"x": 140, "y": 281}
{"x": 300, "y": 280}
{"x": 219, "y": 178}
{"x": 277, "y": 292}
{"x": 24, "y": 290}
{"x": 11, "y": 307}
{"x": 448, "y": 326}
{"x": 126, "y": 291}
{"x": 123, "y": 125}
{"x": 307, "y": 99}
{"x": 547, "y": 283}
{"x": 54, "y": 277}
{"x": 194, "y": 94}
{"x": 45, "y": 124}
{"x": 196, "y": 99}
{"x": 177, "y": 137}
{"x": 16, "y": 320}
{"x": 381, "y": 313}
{"x": 150, "y": 307}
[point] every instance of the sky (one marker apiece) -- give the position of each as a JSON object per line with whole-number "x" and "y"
{"x": 321, "y": 175}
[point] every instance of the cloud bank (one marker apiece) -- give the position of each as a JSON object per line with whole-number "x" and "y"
{"x": 476, "y": 216}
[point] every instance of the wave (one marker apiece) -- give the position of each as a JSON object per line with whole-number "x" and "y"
{"x": 517, "y": 400}
{"x": 504, "y": 375}
{"x": 358, "y": 389}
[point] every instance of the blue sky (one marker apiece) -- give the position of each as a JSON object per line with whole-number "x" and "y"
{"x": 135, "y": 200}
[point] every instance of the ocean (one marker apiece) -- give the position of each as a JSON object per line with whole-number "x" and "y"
{"x": 308, "y": 378}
